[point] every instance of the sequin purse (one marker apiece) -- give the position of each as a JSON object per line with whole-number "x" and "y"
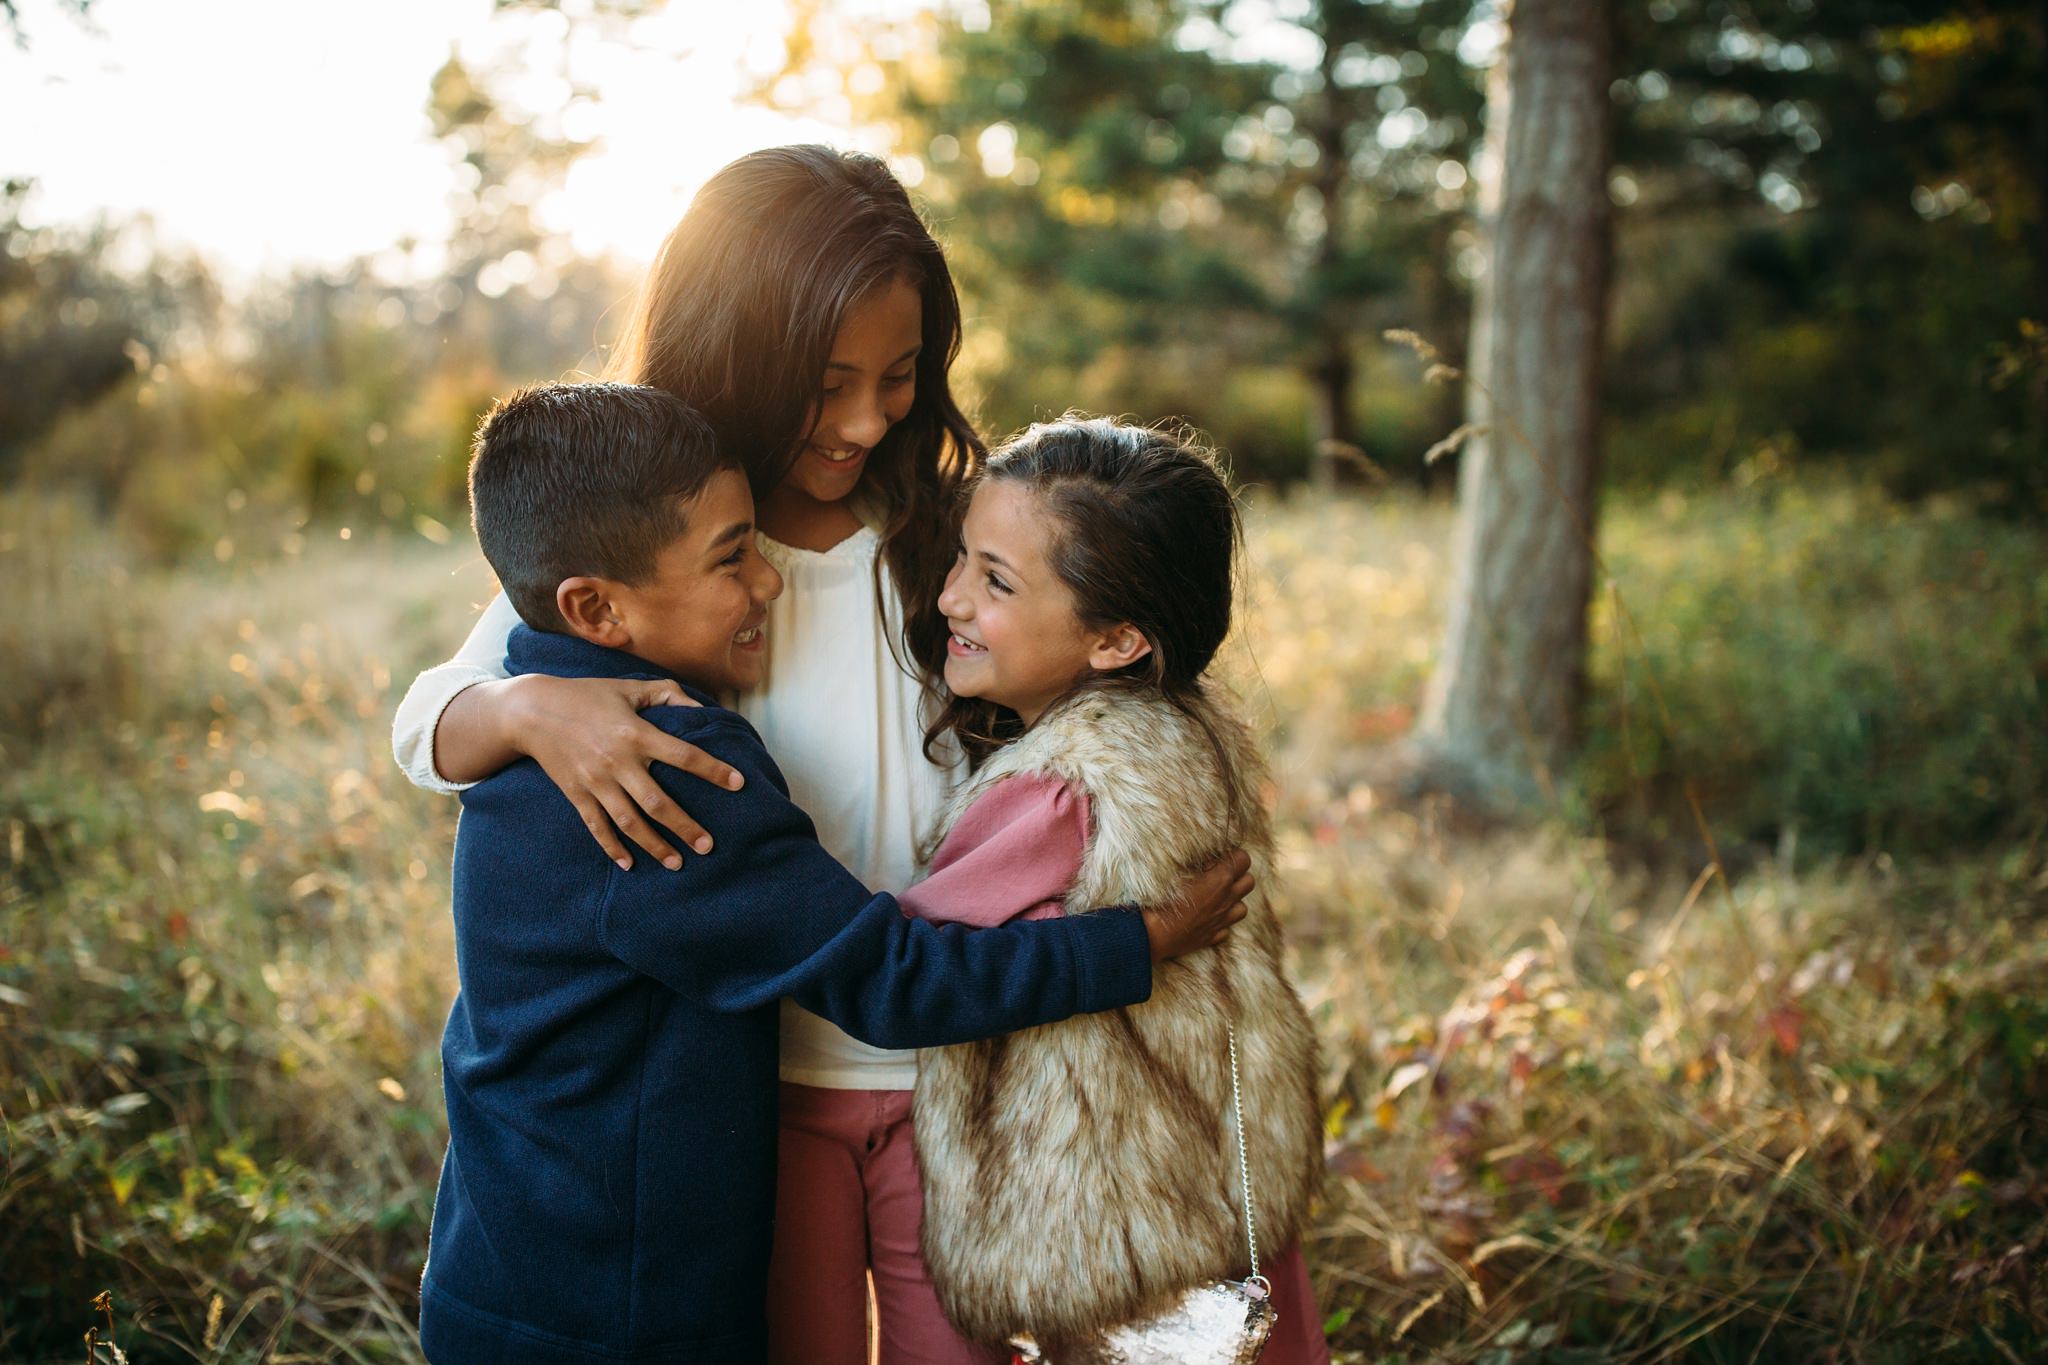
{"x": 1225, "y": 1322}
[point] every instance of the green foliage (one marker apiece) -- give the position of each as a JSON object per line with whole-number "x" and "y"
{"x": 1834, "y": 671}
{"x": 327, "y": 399}
{"x": 1885, "y": 311}
{"x": 72, "y": 325}
{"x": 1824, "y": 339}
{"x": 1827, "y": 670}
{"x": 505, "y": 161}
{"x": 1116, "y": 178}
{"x": 1827, "y": 216}
{"x": 324, "y": 401}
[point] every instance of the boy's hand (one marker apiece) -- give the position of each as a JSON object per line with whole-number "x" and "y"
{"x": 1201, "y": 914}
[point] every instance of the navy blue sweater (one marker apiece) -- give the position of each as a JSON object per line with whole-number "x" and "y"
{"x": 610, "y": 1063}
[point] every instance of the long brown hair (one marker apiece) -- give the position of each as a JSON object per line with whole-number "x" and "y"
{"x": 1145, "y": 531}
{"x": 737, "y": 318}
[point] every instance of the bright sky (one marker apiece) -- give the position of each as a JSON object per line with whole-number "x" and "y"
{"x": 266, "y": 133}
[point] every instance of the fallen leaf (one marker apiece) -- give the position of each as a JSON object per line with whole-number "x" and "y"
{"x": 1786, "y": 1021}
{"x": 1405, "y": 1076}
{"x": 1347, "y": 1162}
{"x": 1538, "y": 1170}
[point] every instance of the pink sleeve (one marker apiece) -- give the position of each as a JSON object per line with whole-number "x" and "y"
{"x": 1014, "y": 854}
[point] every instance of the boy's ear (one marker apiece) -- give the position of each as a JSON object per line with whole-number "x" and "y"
{"x": 587, "y": 607}
{"x": 1116, "y": 647}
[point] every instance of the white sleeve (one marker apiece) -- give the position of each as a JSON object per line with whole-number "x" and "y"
{"x": 481, "y": 658}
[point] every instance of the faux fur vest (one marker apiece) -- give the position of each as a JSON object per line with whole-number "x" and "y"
{"x": 1084, "y": 1174}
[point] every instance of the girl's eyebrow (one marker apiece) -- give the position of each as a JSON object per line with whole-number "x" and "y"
{"x": 842, "y": 365}
{"x": 996, "y": 560}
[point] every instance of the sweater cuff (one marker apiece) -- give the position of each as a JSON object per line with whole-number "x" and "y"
{"x": 1112, "y": 958}
{"x": 419, "y": 716}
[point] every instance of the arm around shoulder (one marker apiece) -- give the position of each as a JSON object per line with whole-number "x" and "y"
{"x": 481, "y": 659}
{"x": 770, "y": 914}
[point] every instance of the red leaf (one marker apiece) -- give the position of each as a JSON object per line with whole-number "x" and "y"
{"x": 1537, "y": 1169}
{"x": 1786, "y": 1022}
{"x": 1347, "y": 1162}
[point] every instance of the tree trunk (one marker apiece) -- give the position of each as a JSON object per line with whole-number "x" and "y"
{"x": 1330, "y": 374}
{"x": 2040, "y": 177}
{"x": 1502, "y": 709}
{"x": 1330, "y": 417}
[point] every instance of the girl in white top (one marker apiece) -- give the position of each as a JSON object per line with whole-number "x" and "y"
{"x": 802, "y": 306}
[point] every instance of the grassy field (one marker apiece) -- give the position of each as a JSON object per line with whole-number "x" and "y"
{"x": 1586, "y": 1100}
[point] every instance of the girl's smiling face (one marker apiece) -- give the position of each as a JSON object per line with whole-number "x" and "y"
{"x": 869, "y": 384}
{"x": 1017, "y": 639}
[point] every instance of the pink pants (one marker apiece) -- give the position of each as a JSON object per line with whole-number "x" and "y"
{"x": 849, "y": 1205}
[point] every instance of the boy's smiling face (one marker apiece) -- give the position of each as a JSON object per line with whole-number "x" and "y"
{"x": 698, "y": 616}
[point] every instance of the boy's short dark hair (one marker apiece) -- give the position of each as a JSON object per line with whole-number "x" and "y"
{"x": 573, "y": 479}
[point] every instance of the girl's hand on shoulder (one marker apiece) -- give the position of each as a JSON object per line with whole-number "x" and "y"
{"x": 589, "y": 737}
{"x": 1201, "y": 914}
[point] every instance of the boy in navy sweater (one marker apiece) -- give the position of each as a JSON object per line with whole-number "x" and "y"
{"x": 610, "y": 1063}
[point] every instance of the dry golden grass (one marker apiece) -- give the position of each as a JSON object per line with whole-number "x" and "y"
{"x": 1582, "y": 1106}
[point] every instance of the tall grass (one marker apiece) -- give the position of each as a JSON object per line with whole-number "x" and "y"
{"x": 225, "y": 949}
{"x": 1582, "y": 1104}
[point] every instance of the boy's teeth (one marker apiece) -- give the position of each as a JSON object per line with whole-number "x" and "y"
{"x": 747, "y": 637}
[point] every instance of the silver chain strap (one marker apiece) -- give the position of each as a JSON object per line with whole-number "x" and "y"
{"x": 1244, "y": 1173}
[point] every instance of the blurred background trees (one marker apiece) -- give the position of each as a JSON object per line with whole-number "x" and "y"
{"x": 1827, "y": 215}
{"x": 1204, "y": 208}
{"x": 1829, "y": 227}
{"x": 1833, "y": 242}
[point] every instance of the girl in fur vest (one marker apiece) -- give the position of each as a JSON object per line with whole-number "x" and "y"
{"x": 1085, "y": 1174}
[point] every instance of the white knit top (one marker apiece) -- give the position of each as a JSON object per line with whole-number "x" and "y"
{"x": 841, "y": 719}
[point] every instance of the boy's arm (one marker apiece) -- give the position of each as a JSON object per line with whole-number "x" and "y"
{"x": 768, "y": 913}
